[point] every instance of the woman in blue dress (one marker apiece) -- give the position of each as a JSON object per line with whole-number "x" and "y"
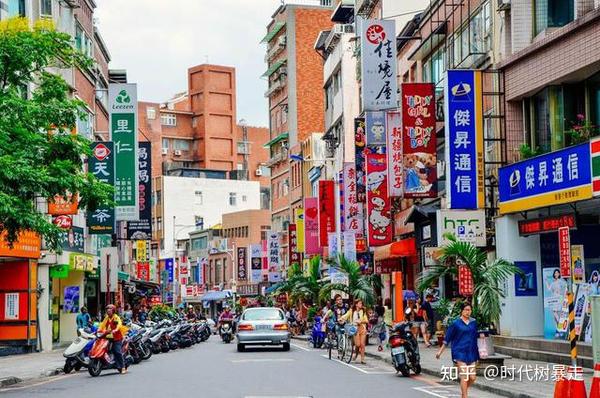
{"x": 462, "y": 338}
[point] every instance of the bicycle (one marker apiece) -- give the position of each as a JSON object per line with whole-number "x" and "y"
{"x": 342, "y": 344}
{"x": 349, "y": 345}
{"x": 331, "y": 340}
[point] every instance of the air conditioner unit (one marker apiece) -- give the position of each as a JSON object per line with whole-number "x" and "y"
{"x": 343, "y": 28}
{"x": 177, "y": 152}
{"x": 165, "y": 151}
{"x": 281, "y": 41}
{"x": 258, "y": 172}
{"x": 282, "y": 71}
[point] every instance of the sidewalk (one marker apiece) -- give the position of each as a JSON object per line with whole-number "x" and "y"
{"x": 26, "y": 367}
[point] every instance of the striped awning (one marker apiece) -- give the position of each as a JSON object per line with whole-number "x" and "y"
{"x": 273, "y": 68}
{"x": 274, "y": 30}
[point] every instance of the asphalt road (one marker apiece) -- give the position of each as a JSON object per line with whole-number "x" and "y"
{"x": 213, "y": 369}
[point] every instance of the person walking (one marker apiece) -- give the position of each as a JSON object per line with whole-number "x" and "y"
{"x": 421, "y": 322}
{"x": 83, "y": 319}
{"x": 462, "y": 338}
{"x": 358, "y": 317}
{"x": 428, "y": 309}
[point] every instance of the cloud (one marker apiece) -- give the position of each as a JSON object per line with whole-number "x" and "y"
{"x": 157, "y": 41}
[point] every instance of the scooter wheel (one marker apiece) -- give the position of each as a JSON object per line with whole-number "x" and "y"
{"x": 417, "y": 369}
{"x": 68, "y": 368}
{"x": 77, "y": 367}
{"x": 405, "y": 371}
{"x": 95, "y": 367}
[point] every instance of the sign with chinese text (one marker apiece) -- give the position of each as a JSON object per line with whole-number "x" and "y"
{"x": 82, "y": 262}
{"x": 64, "y": 222}
{"x": 273, "y": 257}
{"x": 332, "y": 244}
{"x": 299, "y": 221}
{"x": 143, "y": 271}
{"x": 378, "y": 201}
{"x": 349, "y": 242}
{"x": 577, "y": 264}
{"x": 375, "y": 129}
{"x": 546, "y": 224}
{"x": 256, "y": 254}
{"x": 311, "y": 226}
{"x": 293, "y": 254}
{"x": 11, "y": 306}
{"x": 378, "y": 64}
{"x": 170, "y": 269}
{"x": 72, "y": 240}
{"x": 242, "y": 264}
{"x": 394, "y": 153}
{"x": 564, "y": 251}
{"x": 466, "y": 225}
{"x": 142, "y": 229}
{"x": 62, "y": 205}
{"x": 432, "y": 255}
{"x": 419, "y": 145}
{"x": 464, "y": 140}
{"x": 326, "y": 210}
{"x": 360, "y": 146}
{"x": 353, "y": 209}
{"x": 102, "y": 165}
{"x": 465, "y": 281}
{"x": 554, "y": 178}
{"x": 142, "y": 252}
{"x": 122, "y": 103}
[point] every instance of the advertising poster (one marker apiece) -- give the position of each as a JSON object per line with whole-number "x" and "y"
{"x": 365, "y": 261}
{"x": 375, "y": 130}
{"x": 255, "y": 263}
{"x": 526, "y": 284}
{"x": 583, "y": 308}
{"x": 466, "y": 225}
{"x": 311, "y": 226}
{"x": 326, "y": 210}
{"x": 71, "y": 300}
{"x": 555, "y": 304}
{"x": 378, "y": 202}
{"x": 353, "y": 210}
{"x": 592, "y": 273}
{"x": 360, "y": 146}
{"x": 242, "y": 265}
{"x": 419, "y": 144}
{"x": 394, "y": 153}
{"x": 577, "y": 264}
{"x": 299, "y": 221}
{"x": 143, "y": 271}
{"x": 142, "y": 229}
{"x": 63, "y": 205}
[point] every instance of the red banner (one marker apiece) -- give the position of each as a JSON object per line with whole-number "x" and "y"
{"x": 465, "y": 281}
{"x": 294, "y": 256}
{"x": 143, "y": 271}
{"x": 564, "y": 250}
{"x": 419, "y": 143}
{"x": 326, "y": 210}
{"x": 378, "y": 201}
{"x": 311, "y": 226}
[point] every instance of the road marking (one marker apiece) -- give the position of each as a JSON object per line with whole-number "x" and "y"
{"x": 278, "y": 396}
{"x": 300, "y": 347}
{"x": 262, "y": 360}
{"x": 438, "y": 391}
{"x": 365, "y": 371}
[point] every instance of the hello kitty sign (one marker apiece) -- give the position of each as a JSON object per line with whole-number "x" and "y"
{"x": 419, "y": 141}
{"x": 378, "y": 201}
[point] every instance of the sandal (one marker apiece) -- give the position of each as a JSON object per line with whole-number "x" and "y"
{"x": 380, "y": 348}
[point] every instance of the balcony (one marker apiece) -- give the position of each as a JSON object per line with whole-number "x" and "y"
{"x": 276, "y": 48}
{"x": 274, "y": 87}
{"x": 365, "y": 7}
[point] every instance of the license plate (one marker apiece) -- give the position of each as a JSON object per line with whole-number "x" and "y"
{"x": 263, "y": 327}
{"x": 397, "y": 350}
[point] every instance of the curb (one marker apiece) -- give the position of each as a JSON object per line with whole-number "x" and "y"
{"x": 12, "y": 380}
{"x": 9, "y": 381}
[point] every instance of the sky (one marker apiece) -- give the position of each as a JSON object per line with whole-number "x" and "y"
{"x": 157, "y": 41}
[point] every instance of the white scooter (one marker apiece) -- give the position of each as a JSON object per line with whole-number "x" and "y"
{"x": 77, "y": 353}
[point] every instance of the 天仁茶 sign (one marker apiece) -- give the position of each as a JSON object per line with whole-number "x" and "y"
{"x": 102, "y": 166}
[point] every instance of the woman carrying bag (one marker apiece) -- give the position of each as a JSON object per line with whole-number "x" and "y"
{"x": 357, "y": 316}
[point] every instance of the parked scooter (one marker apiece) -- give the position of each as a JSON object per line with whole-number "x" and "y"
{"x": 405, "y": 349}
{"x": 226, "y": 331}
{"x": 102, "y": 358}
{"x": 318, "y": 335}
{"x": 77, "y": 353}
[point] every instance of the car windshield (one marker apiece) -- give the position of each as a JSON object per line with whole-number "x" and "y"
{"x": 263, "y": 314}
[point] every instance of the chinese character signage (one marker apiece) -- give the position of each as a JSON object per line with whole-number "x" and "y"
{"x": 353, "y": 210}
{"x": 564, "y": 252}
{"x": 72, "y": 240}
{"x": 394, "y": 153}
{"x": 546, "y": 224}
{"x": 299, "y": 221}
{"x": 464, "y": 140}
{"x": 122, "y": 100}
{"x": 375, "y": 125}
{"x": 102, "y": 165}
{"x": 311, "y": 226}
{"x": 554, "y": 178}
{"x": 61, "y": 205}
{"x": 242, "y": 265}
{"x": 332, "y": 244}
{"x": 142, "y": 251}
{"x": 256, "y": 254}
{"x": 378, "y": 64}
{"x": 465, "y": 281}
{"x": 577, "y": 264}
{"x": 273, "y": 258}
{"x": 143, "y": 271}
{"x": 378, "y": 201}
{"x": 349, "y": 241}
{"x": 466, "y": 225}
{"x": 326, "y": 210}
{"x": 360, "y": 146}
{"x": 170, "y": 269}
{"x": 418, "y": 142}
{"x": 142, "y": 229}
{"x": 294, "y": 256}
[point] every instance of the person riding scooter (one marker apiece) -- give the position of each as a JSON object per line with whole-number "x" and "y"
{"x": 113, "y": 328}
{"x": 226, "y": 316}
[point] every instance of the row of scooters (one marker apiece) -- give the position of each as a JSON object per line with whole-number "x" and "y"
{"x": 92, "y": 349}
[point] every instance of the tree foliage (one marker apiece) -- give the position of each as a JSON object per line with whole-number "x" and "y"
{"x": 359, "y": 286}
{"x": 40, "y": 157}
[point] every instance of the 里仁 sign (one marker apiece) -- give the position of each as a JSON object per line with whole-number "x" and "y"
{"x": 554, "y": 178}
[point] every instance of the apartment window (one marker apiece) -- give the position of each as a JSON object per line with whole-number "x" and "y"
{"x": 181, "y": 145}
{"x": 263, "y": 235}
{"x": 158, "y": 196}
{"x": 82, "y": 42}
{"x": 336, "y": 82}
{"x": 244, "y": 198}
{"x": 199, "y": 243}
{"x": 434, "y": 68}
{"x": 232, "y": 199}
{"x": 199, "y": 197}
{"x": 553, "y": 14}
{"x": 46, "y": 8}
{"x": 159, "y": 223}
{"x": 168, "y": 119}
{"x": 284, "y": 114}
{"x": 286, "y": 187}
{"x": 16, "y": 8}
{"x": 199, "y": 222}
{"x": 165, "y": 144}
{"x": 151, "y": 113}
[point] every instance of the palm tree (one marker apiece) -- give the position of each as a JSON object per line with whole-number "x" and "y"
{"x": 487, "y": 277}
{"x": 359, "y": 286}
{"x": 309, "y": 286}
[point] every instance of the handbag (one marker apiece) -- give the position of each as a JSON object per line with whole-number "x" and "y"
{"x": 351, "y": 330}
{"x": 482, "y": 347}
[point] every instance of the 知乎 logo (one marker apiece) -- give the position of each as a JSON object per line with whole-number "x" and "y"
{"x": 123, "y": 97}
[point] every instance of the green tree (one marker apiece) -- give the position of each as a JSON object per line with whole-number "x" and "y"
{"x": 359, "y": 286}
{"x": 308, "y": 287}
{"x": 487, "y": 277}
{"x": 39, "y": 155}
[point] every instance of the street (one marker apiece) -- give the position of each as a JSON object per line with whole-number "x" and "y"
{"x": 213, "y": 369}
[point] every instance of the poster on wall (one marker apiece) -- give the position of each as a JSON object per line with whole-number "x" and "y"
{"x": 419, "y": 144}
{"x": 583, "y": 308}
{"x": 577, "y": 264}
{"x": 360, "y": 146}
{"x": 555, "y": 304}
{"x": 378, "y": 202}
{"x": 11, "y": 306}
{"x": 526, "y": 284}
{"x": 466, "y": 225}
{"x": 71, "y": 300}
{"x": 311, "y": 226}
{"x": 394, "y": 153}
{"x": 326, "y": 210}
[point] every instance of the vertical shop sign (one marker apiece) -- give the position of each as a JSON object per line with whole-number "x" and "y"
{"x": 242, "y": 265}
{"x": 273, "y": 258}
{"x": 464, "y": 139}
{"x": 419, "y": 146}
{"x": 378, "y": 202}
{"x": 311, "y": 226}
{"x": 102, "y": 165}
{"x": 142, "y": 229}
{"x": 299, "y": 221}
{"x": 564, "y": 249}
{"x": 465, "y": 281}
{"x": 293, "y": 254}
{"x": 349, "y": 242}
{"x": 122, "y": 99}
{"x": 394, "y": 153}
{"x": 326, "y": 210}
{"x": 11, "y": 306}
{"x": 332, "y": 244}
{"x": 376, "y": 132}
{"x": 353, "y": 210}
{"x": 378, "y": 64}
{"x": 256, "y": 263}
{"x": 360, "y": 146}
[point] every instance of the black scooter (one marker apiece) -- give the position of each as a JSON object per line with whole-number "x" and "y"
{"x": 405, "y": 349}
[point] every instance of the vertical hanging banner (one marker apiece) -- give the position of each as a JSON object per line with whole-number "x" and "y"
{"x": 349, "y": 242}
{"x": 255, "y": 263}
{"x": 332, "y": 244}
{"x": 273, "y": 258}
{"x": 299, "y": 221}
{"x": 102, "y": 165}
{"x": 142, "y": 229}
{"x": 378, "y": 202}
{"x": 242, "y": 265}
{"x": 360, "y": 146}
{"x": 378, "y": 64}
{"x": 394, "y": 153}
{"x": 326, "y": 210}
{"x": 353, "y": 210}
{"x": 293, "y": 254}
{"x": 341, "y": 198}
{"x": 122, "y": 103}
{"x": 375, "y": 130}
{"x": 564, "y": 252}
{"x": 464, "y": 139}
{"x": 418, "y": 143}
{"x": 311, "y": 226}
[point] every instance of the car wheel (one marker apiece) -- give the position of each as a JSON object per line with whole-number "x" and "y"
{"x": 241, "y": 348}
{"x": 286, "y": 346}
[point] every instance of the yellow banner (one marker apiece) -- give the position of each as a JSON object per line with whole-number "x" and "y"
{"x": 299, "y": 221}
{"x": 141, "y": 253}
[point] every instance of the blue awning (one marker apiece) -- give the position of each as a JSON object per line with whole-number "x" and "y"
{"x": 272, "y": 288}
{"x": 216, "y": 295}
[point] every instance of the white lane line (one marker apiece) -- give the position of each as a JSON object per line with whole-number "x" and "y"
{"x": 365, "y": 371}
{"x": 262, "y": 360}
{"x": 300, "y": 347}
{"x": 436, "y": 390}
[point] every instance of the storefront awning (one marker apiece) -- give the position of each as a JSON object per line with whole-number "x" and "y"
{"x": 402, "y": 248}
{"x": 216, "y": 295}
{"x": 419, "y": 214}
{"x": 274, "y": 30}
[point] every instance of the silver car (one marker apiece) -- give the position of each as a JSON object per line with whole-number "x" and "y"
{"x": 263, "y": 326}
